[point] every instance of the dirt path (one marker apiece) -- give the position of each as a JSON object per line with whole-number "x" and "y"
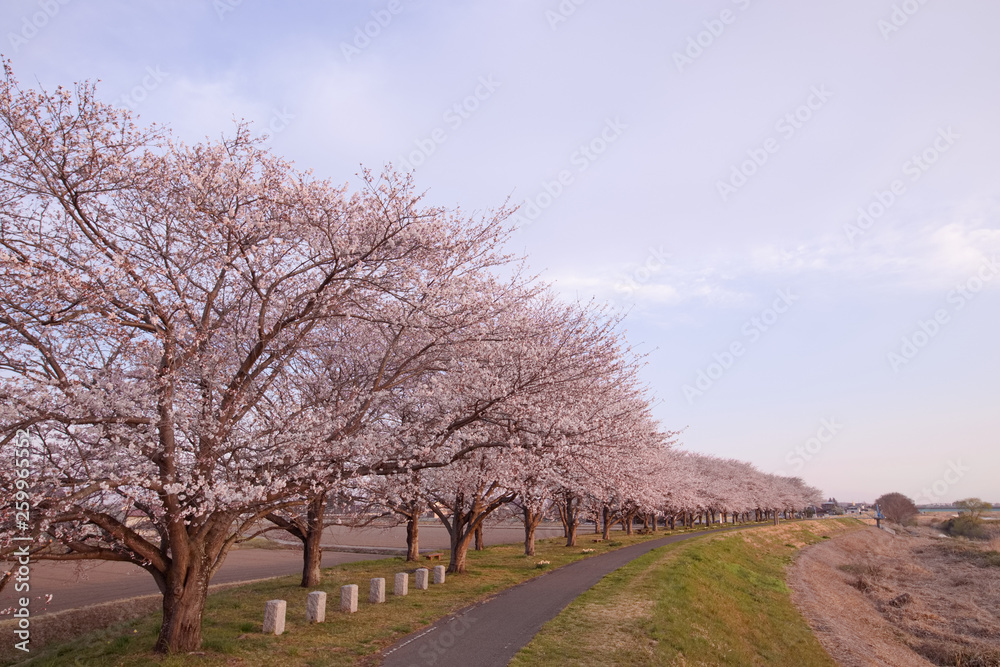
{"x": 876, "y": 599}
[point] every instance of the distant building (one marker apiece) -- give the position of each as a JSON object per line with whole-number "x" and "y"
{"x": 831, "y": 507}
{"x": 855, "y": 508}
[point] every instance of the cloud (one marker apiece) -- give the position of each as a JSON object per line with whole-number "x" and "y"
{"x": 893, "y": 260}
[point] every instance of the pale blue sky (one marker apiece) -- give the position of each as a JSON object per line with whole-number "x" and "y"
{"x": 830, "y": 99}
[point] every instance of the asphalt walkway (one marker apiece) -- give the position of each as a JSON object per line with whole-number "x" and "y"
{"x": 488, "y": 634}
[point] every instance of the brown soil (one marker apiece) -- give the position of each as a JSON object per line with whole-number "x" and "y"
{"x": 912, "y": 598}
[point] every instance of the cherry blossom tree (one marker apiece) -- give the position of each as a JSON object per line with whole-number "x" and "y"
{"x": 383, "y": 370}
{"x": 156, "y": 302}
{"x": 398, "y": 496}
{"x": 463, "y": 495}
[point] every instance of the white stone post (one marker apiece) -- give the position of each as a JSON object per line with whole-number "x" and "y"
{"x": 349, "y": 598}
{"x": 376, "y": 592}
{"x": 439, "y": 574}
{"x": 422, "y": 578}
{"x": 316, "y": 607}
{"x": 401, "y": 585}
{"x": 274, "y": 617}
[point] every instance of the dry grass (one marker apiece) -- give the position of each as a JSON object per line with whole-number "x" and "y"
{"x": 908, "y": 599}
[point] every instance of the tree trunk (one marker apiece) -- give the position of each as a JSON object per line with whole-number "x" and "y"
{"x": 183, "y": 606}
{"x": 571, "y": 509}
{"x": 607, "y": 523}
{"x": 413, "y": 537}
{"x": 480, "y": 543}
{"x": 312, "y": 559}
{"x": 597, "y": 523}
{"x": 312, "y": 554}
{"x": 463, "y": 525}
{"x": 531, "y": 520}
{"x": 629, "y": 519}
{"x": 460, "y": 540}
{"x": 563, "y": 520}
{"x": 673, "y": 519}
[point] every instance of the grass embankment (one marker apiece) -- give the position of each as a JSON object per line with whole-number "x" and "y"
{"x": 233, "y": 617}
{"x": 718, "y": 600}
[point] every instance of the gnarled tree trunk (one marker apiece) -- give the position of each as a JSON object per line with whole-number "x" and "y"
{"x": 182, "y": 612}
{"x": 185, "y": 588}
{"x": 462, "y": 525}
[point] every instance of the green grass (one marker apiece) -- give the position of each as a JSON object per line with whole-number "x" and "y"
{"x": 718, "y": 600}
{"x": 232, "y": 621}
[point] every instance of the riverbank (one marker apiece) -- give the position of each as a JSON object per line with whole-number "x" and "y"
{"x": 910, "y": 599}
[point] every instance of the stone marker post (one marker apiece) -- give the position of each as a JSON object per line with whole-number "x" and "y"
{"x": 401, "y": 585}
{"x": 349, "y": 598}
{"x": 274, "y": 617}
{"x": 376, "y": 592}
{"x": 422, "y": 578}
{"x": 439, "y": 574}
{"x": 316, "y": 607}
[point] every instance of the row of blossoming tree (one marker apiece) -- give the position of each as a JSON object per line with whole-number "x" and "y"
{"x": 202, "y": 340}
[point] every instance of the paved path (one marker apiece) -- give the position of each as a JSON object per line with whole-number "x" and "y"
{"x": 488, "y": 634}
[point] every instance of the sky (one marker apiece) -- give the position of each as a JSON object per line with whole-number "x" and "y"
{"x": 795, "y": 203}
